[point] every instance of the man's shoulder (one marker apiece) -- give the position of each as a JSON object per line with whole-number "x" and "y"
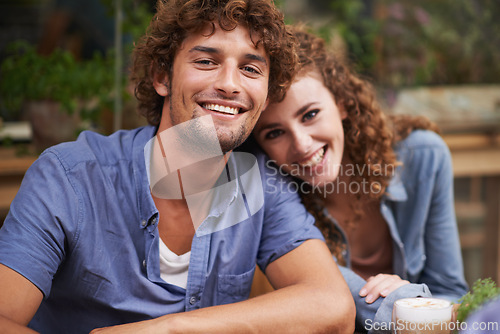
{"x": 106, "y": 150}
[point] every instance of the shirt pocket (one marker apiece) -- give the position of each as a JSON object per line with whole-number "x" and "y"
{"x": 234, "y": 288}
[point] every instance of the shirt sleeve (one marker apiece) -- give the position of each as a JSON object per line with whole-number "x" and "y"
{"x": 443, "y": 271}
{"x": 376, "y": 317}
{"x": 287, "y": 224}
{"x": 34, "y": 234}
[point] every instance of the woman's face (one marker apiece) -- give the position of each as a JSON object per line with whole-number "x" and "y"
{"x": 304, "y": 132}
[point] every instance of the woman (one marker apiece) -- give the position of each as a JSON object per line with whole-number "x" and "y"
{"x": 381, "y": 188}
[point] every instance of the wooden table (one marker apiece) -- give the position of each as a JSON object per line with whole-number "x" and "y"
{"x": 12, "y": 169}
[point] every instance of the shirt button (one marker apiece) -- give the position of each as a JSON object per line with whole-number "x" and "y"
{"x": 192, "y": 300}
{"x": 143, "y": 223}
{"x": 144, "y": 263}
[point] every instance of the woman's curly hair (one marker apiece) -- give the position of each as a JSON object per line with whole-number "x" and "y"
{"x": 369, "y": 135}
{"x": 175, "y": 19}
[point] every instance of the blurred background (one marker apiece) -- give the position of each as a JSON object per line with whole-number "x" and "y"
{"x": 64, "y": 69}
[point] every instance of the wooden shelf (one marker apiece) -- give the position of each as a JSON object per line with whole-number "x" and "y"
{"x": 12, "y": 169}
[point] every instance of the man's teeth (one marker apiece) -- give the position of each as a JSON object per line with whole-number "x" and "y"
{"x": 219, "y": 108}
{"x": 315, "y": 159}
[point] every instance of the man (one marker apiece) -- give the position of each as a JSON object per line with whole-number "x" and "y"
{"x": 132, "y": 231}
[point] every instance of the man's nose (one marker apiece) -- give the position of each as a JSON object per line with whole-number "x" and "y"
{"x": 228, "y": 81}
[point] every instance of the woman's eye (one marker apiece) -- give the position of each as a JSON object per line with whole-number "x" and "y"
{"x": 310, "y": 115}
{"x": 273, "y": 134}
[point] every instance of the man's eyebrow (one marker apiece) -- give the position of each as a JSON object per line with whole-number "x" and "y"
{"x": 207, "y": 49}
{"x": 251, "y": 56}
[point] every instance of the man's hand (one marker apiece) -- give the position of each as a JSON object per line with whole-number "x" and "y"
{"x": 381, "y": 286}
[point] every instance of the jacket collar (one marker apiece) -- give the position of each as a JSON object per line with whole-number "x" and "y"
{"x": 396, "y": 191}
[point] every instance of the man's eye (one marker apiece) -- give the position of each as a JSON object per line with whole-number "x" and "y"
{"x": 273, "y": 134}
{"x": 204, "y": 62}
{"x": 251, "y": 69}
{"x": 310, "y": 115}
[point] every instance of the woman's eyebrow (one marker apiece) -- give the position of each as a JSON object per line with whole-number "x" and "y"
{"x": 266, "y": 127}
{"x": 299, "y": 112}
{"x": 303, "y": 109}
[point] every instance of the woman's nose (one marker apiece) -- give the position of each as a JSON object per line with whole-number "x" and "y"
{"x": 301, "y": 143}
{"x": 228, "y": 81}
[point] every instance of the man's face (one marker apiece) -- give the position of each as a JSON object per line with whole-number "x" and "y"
{"x": 223, "y": 75}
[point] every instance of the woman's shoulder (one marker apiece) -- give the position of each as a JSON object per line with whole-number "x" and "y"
{"x": 421, "y": 139}
{"x": 422, "y": 152}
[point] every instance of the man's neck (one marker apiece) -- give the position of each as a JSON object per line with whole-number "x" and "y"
{"x": 175, "y": 227}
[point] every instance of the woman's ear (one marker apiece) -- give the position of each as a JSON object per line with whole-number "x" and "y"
{"x": 160, "y": 83}
{"x": 343, "y": 113}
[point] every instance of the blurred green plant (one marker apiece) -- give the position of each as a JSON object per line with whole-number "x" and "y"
{"x": 137, "y": 15}
{"x": 359, "y": 31}
{"x": 410, "y": 43}
{"x": 438, "y": 42}
{"x": 483, "y": 290}
{"x": 84, "y": 85}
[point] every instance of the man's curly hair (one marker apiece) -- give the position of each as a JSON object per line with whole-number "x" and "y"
{"x": 175, "y": 19}
{"x": 369, "y": 135}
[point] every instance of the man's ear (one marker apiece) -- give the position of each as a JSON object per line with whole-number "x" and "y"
{"x": 160, "y": 83}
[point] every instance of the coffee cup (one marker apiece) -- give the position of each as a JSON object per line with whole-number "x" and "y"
{"x": 422, "y": 316}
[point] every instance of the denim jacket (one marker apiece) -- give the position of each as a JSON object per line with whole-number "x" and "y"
{"x": 419, "y": 210}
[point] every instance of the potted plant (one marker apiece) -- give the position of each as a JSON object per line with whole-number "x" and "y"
{"x": 58, "y": 94}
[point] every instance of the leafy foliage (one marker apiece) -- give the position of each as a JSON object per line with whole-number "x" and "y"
{"x": 482, "y": 291}
{"x": 410, "y": 43}
{"x": 136, "y": 17}
{"x": 83, "y": 85}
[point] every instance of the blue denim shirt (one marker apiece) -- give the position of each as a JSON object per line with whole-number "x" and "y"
{"x": 419, "y": 210}
{"x": 375, "y": 318}
{"x": 83, "y": 229}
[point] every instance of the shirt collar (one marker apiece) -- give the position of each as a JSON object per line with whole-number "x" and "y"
{"x": 396, "y": 191}
{"x": 225, "y": 191}
{"x": 221, "y": 196}
{"x": 146, "y": 207}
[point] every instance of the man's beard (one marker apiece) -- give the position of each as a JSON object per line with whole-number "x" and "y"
{"x": 197, "y": 135}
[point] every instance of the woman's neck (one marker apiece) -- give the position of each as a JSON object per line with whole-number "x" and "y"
{"x": 339, "y": 192}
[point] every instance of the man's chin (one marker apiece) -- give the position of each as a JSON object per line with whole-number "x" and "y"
{"x": 229, "y": 143}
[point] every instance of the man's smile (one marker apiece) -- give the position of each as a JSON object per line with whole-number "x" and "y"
{"x": 221, "y": 108}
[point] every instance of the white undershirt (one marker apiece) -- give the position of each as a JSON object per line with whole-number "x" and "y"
{"x": 173, "y": 267}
